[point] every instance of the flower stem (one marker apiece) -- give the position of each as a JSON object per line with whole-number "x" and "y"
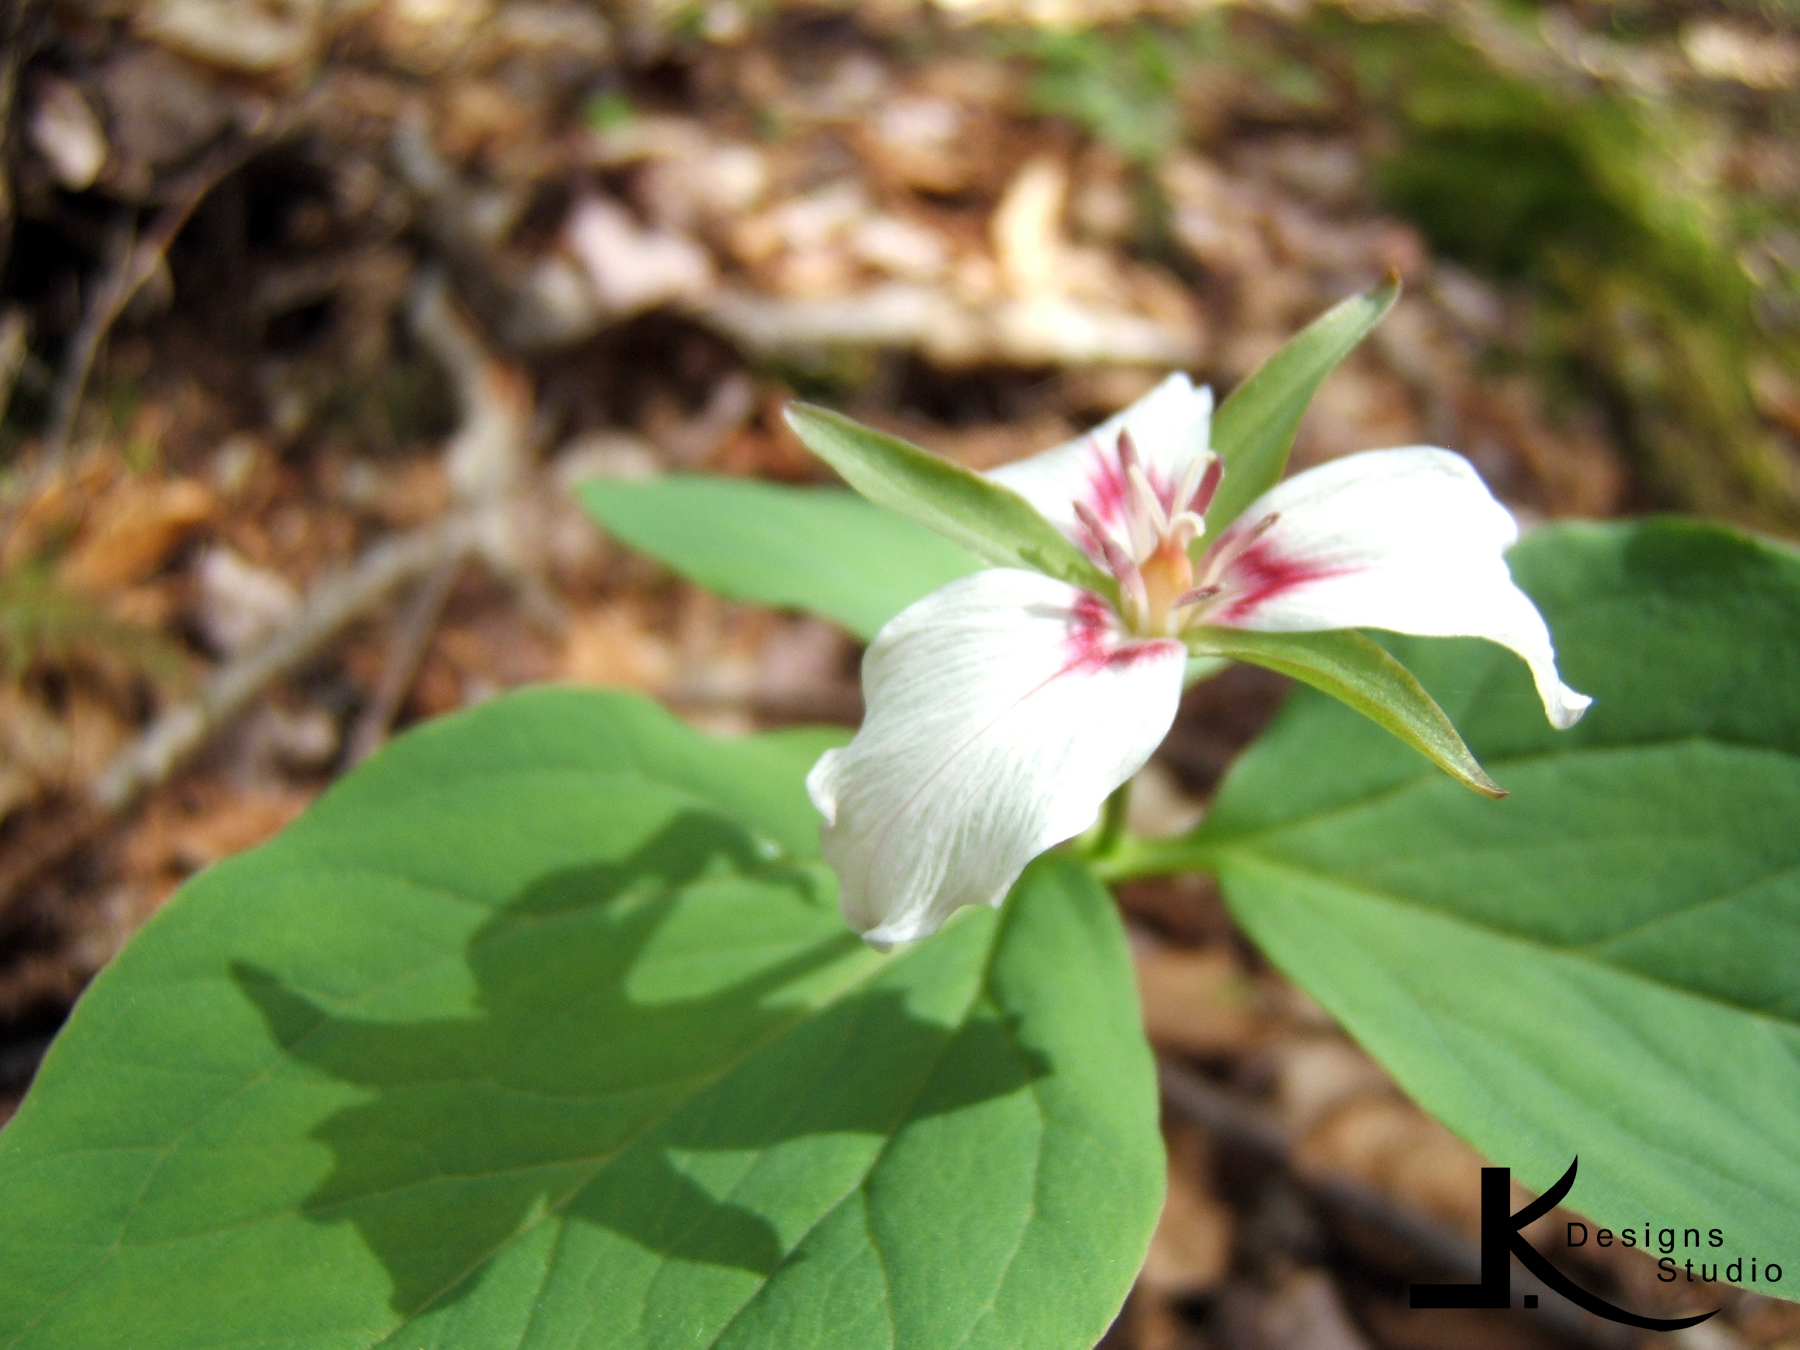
{"x": 1104, "y": 838}
{"x": 1131, "y": 857}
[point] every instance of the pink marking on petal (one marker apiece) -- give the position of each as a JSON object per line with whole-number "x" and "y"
{"x": 1105, "y": 490}
{"x": 1209, "y": 487}
{"x": 1260, "y": 574}
{"x": 1095, "y": 642}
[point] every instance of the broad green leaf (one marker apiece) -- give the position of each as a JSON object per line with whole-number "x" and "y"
{"x": 541, "y": 1030}
{"x": 1604, "y": 964}
{"x": 992, "y": 522}
{"x": 812, "y": 548}
{"x": 1254, "y": 428}
{"x": 1357, "y": 672}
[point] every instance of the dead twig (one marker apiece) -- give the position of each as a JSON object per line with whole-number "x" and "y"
{"x": 1050, "y": 330}
{"x": 405, "y": 652}
{"x": 485, "y": 463}
{"x": 132, "y": 260}
{"x": 20, "y": 33}
{"x": 14, "y": 327}
{"x": 176, "y": 734}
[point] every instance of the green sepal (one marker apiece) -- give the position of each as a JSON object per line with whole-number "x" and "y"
{"x": 994, "y": 523}
{"x": 1254, "y": 429}
{"x": 1356, "y": 671}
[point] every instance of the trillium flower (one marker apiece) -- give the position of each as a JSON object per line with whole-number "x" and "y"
{"x": 1004, "y": 708}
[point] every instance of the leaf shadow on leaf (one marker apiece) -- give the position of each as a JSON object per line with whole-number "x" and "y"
{"x": 565, "y": 1098}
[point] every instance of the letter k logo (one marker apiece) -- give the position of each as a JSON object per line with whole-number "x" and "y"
{"x": 1502, "y": 1233}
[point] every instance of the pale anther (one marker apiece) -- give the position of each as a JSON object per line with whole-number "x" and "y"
{"x": 1149, "y": 509}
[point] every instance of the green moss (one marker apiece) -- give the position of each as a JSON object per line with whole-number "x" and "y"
{"x": 1120, "y": 85}
{"x": 1582, "y": 193}
{"x": 43, "y": 623}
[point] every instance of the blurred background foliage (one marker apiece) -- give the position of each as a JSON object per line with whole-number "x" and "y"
{"x": 1662, "y": 258}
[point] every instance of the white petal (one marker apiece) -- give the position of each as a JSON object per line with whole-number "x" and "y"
{"x": 1408, "y": 540}
{"x": 1002, "y": 709}
{"x": 1170, "y": 426}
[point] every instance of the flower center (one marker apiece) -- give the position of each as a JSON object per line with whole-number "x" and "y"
{"x": 1168, "y": 576}
{"x": 1151, "y": 563}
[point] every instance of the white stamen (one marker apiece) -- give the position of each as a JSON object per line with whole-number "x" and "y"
{"x": 1144, "y": 514}
{"x": 1187, "y": 527}
{"x": 1229, "y": 550}
{"x": 1136, "y": 597}
{"x": 1190, "y": 481}
{"x": 1124, "y": 570}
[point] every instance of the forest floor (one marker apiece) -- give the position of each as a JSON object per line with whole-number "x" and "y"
{"x": 288, "y": 288}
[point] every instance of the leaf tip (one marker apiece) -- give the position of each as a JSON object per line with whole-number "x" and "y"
{"x": 812, "y": 424}
{"x": 796, "y": 414}
{"x": 1477, "y": 778}
{"x": 1385, "y": 296}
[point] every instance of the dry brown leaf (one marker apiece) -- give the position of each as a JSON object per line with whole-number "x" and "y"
{"x": 263, "y": 37}
{"x": 1307, "y": 1313}
{"x": 1388, "y": 1143}
{"x": 44, "y": 748}
{"x": 1152, "y": 1322}
{"x": 802, "y": 658}
{"x": 992, "y": 444}
{"x": 921, "y": 142}
{"x": 1191, "y": 1250}
{"x": 1579, "y": 472}
{"x": 133, "y": 530}
{"x": 1398, "y": 1327}
{"x": 65, "y": 131}
{"x": 631, "y": 267}
{"x": 611, "y": 646}
{"x": 161, "y": 111}
{"x": 426, "y": 36}
{"x": 55, "y": 509}
{"x": 34, "y": 742}
{"x": 1027, "y": 229}
{"x": 1198, "y": 1002}
{"x": 241, "y": 605}
{"x": 181, "y": 834}
{"x": 95, "y": 733}
{"x": 1316, "y": 1074}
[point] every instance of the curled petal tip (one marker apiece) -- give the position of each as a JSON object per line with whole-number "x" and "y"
{"x": 1407, "y": 540}
{"x": 1568, "y": 708}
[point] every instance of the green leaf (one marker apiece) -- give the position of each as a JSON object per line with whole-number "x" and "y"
{"x": 992, "y": 522}
{"x": 1603, "y": 964}
{"x": 542, "y": 1030}
{"x": 812, "y": 548}
{"x": 1254, "y": 429}
{"x": 1356, "y": 671}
